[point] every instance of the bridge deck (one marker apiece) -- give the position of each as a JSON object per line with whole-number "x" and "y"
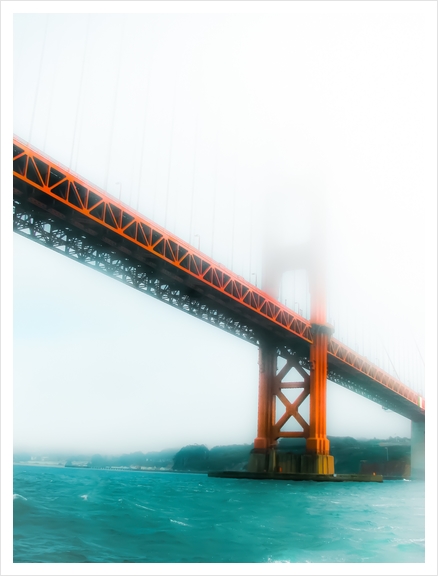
{"x": 65, "y": 212}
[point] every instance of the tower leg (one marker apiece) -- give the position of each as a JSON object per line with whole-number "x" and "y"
{"x": 417, "y": 451}
{"x": 262, "y": 458}
{"x": 317, "y": 459}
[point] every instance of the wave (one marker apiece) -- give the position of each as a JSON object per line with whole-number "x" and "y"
{"x": 177, "y": 522}
{"x": 145, "y": 507}
{"x": 233, "y": 523}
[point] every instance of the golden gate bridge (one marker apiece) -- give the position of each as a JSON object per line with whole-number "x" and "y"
{"x": 62, "y": 211}
{"x": 115, "y": 89}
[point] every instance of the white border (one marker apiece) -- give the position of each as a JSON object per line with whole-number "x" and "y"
{"x": 8, "y": 9}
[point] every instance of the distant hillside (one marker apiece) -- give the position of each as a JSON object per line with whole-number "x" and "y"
{"x": 151, "y": 460}
{"x": 390, "y": 457}
{"x": 201, "y": 459}
{"x": 351, "y": 455}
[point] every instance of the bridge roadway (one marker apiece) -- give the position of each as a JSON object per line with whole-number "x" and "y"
{"x": 64, "y": 212}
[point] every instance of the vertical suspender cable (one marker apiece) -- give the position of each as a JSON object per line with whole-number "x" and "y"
{"x": 411, "y": 362}
{"x": 308, "y": 302}
{"x": 233, "y": 221}
{"x": 215, "y": 184}
{"x": 353, "y": 333}
{"x": 346, "y": 326}
{"x": 251, "y": 213}
{"x": 405, "y": 364}
{"x": 52, "y": 89}
{"x": 166, "y": 205}
{"x": 155, "y": 191}
{"x": 418, "y": 349}
{"x": 377, "y": 346}
{"x": 143, "y": 135}
{"x": 192, "y": 196}
{"x": 393, "y": 367}
{"x": 39, "y": 79}
{"x": 341, "y": 324}
{"x": 79, "y": 95}
{"x": 295, "y": 293}
{"x": 110, "y": 140}
{"x": 403, "y": 357}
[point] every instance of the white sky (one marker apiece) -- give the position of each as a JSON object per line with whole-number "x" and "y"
{"x": 200, "y": 113}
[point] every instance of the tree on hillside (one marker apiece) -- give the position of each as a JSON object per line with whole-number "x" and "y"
{"x": 194, "y": 457}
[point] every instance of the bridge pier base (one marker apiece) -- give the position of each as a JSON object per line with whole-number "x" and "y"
{"x": 277, "y": 462}
{"x": 317, "y": 464}
{"x": 259, "y": 461}
{"x": 418, "y": 456}
{"x": 266, "y": 457}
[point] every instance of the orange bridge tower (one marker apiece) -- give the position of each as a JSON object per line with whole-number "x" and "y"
{"x": 317, "y": 459}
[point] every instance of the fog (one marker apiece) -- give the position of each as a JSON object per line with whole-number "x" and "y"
{"x": 227, "y": 129}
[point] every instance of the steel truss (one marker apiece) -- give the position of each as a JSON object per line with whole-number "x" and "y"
{"x": 291, "y": 408}
{"x": 43, "y": 229}
{"x": 65, "y": 213}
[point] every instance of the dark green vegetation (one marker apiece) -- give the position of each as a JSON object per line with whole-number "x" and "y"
{"x": 200, "y": 459}
{"x": 390, "y": 457}
{"x": 154, "y": 460}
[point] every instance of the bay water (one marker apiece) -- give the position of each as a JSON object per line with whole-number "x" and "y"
{"x": 90, "y": 515}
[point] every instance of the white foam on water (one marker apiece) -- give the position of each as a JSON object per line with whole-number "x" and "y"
{"x": 16, "y": 496}
{"x": 145, "y": 507}
{"x": 416, "y": 540}
{"x": 177, "y": 522}
{"x": 84, "y": 496}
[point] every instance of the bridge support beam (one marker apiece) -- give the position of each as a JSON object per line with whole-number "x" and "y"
{"x": 263, "y": 456}
{"x": 318, "y": 459}
{"x": 266, "y": 457}
{"x": 417, "y": 451}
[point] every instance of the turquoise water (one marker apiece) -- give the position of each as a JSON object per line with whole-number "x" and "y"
{"x": 85, "y": 515}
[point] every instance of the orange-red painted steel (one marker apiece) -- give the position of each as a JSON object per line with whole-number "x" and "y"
{"x": 270, "y": 387}
{"x": 42, "y": 173}
{"x": 89, "y": 203}
{"x": 317, "y": 442}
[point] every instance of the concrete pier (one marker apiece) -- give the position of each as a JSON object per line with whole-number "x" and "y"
{"x": 279, "y": 462}
{"x": 417, "y": 451}
{"x": 298, "y": 477}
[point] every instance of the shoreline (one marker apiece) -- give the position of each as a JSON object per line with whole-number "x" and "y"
{"x": 111, "y": 469}
{"x": 212, "y": 474}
